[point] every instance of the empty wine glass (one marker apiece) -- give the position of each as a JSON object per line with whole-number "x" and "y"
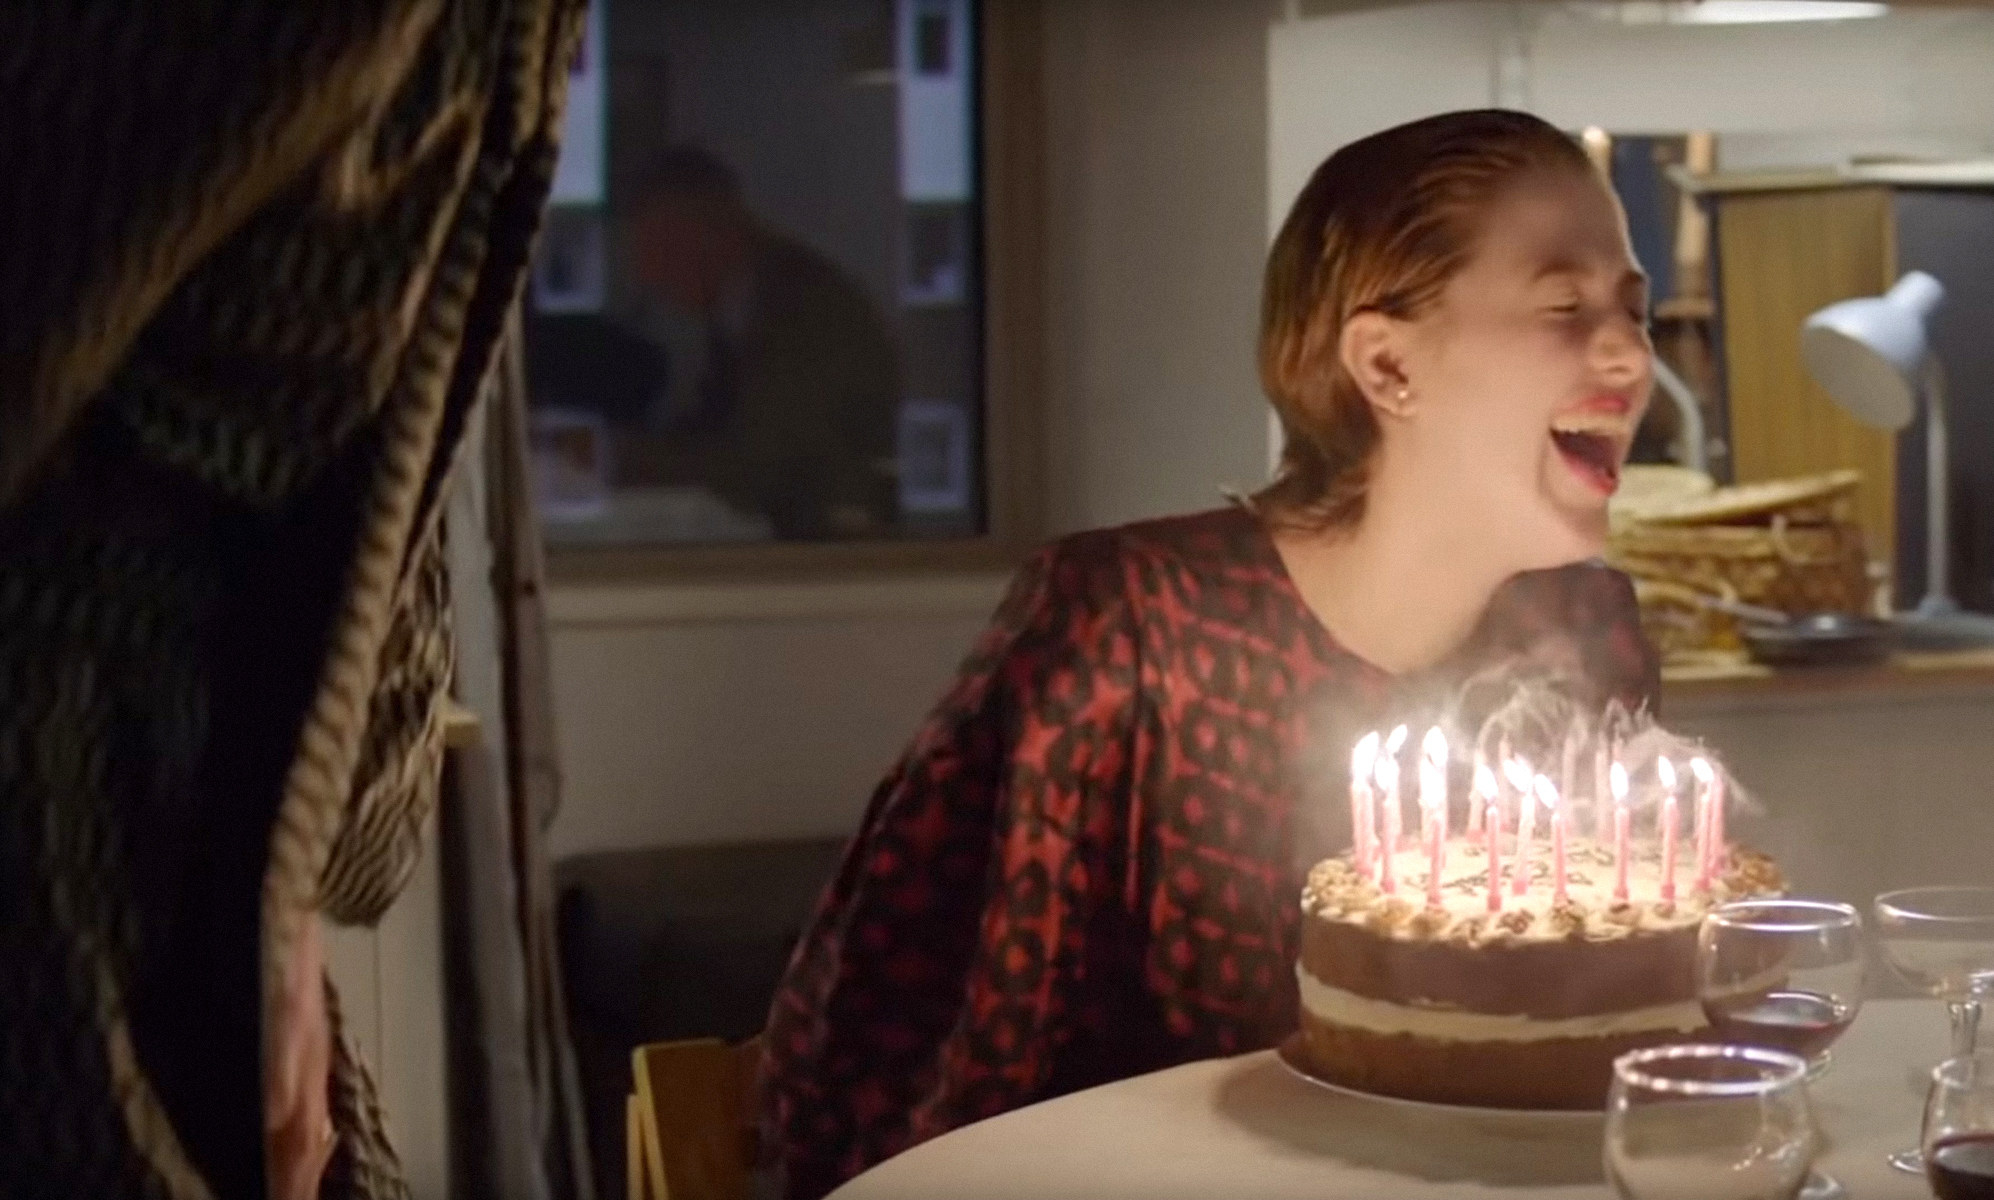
{"x": 1784, "y": 974}
{"x": 1940, "y": 940}
{"x": 1710, "y": 1122}
{"x": 1958, "y": 1136}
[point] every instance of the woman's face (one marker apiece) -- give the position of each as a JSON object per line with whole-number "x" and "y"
{"x": 1530, "y": 374}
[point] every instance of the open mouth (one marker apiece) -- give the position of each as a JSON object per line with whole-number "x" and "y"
{"x": 1593, "y": 457}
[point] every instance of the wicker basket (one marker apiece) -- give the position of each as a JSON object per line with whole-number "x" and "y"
{"x": 1793, "y": 545}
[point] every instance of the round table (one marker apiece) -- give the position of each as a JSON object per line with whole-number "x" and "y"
{"x": 1246, "y": 1127}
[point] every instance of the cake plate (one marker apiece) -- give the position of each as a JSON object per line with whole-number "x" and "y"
{"x": 1289, "y": 1053}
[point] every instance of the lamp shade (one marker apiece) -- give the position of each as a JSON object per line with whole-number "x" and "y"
{"x": 1869, "y": 353}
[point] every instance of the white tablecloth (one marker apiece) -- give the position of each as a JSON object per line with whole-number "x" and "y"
{"x": 1245, "y": 1129}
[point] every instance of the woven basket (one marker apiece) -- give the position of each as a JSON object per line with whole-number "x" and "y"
{"x": 1793, "y": 545}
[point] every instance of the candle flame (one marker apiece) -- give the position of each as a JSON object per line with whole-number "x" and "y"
{"x": 1666, "y": 772}
{"x": 1700, "y": 768}
{"x": 1364, "y": 756}
{"x": 1485, "y": 782}
{"x": 1547, "y": 793}
{"x": 1434, "y": 746}
{"x": 1616, "y": 777}
{"x": 1518, "y": 773}
{"x": 1396, "y": 741}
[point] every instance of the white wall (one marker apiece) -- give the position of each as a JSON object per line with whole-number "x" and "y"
{"x": 1332, "y": 80}
{"x": 694, "y": 716}
{"x": 1783, "y": 94}
{"x": 749, "y": 713}
{"x": 1157, "y": 111}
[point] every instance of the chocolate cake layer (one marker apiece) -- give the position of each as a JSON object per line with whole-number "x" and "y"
{"x": 1559, "y": 1073}
{"x": 1568, "y": 977}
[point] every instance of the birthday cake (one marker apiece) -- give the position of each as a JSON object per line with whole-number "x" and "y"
{"x": 1514, "y": 987}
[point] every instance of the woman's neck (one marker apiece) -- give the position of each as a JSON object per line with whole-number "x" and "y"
{"x": 1402, "y": 589}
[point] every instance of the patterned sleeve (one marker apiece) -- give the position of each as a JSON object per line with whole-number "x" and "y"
{"x": 935, "y": 985}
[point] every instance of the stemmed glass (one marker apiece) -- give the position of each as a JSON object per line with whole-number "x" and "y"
{"x": 1940, "y": 940}
{"x": 1784, "y": 974}
{"x": 1958, "y": 1136}
{"x": 1707, "y": 1121}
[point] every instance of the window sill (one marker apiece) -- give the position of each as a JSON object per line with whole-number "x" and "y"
{"x": 603, "y": 604}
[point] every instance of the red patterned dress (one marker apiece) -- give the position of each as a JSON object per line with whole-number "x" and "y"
{"x": 1087, "y": 864}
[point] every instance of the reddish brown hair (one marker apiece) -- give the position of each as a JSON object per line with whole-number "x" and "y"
{"x": 1381, "y": 226}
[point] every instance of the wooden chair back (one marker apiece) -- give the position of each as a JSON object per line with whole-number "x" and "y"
{"x": 689, "y": 1121}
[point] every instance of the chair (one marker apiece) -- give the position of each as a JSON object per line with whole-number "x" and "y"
{"x": 689, "y": 1124}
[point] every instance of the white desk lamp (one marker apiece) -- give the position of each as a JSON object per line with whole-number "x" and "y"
{"x": 1874, "y": 357}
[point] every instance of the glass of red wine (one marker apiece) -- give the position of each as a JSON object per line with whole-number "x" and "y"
{"x": 1959, "y": 1129}
{"x": 1783, "y": 975}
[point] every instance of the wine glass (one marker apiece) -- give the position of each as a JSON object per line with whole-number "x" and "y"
{"x": 1784, "y": 974}
{"x": 1959, "y": 1129}
{"x": 1940, "y": 940}
{"x": 1713, "y": 1122}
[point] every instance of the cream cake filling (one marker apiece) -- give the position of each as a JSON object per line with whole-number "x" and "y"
{"x": 1383, "y": 1017}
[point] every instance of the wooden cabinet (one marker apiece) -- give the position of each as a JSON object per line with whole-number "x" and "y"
{"x": 1785, "y": 246}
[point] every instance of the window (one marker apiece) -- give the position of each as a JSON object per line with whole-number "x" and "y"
{"x": 759, "y": 314}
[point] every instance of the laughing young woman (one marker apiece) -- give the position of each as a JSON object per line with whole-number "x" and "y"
{"x": 1087, "y": 864}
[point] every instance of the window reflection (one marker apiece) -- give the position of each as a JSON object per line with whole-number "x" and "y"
{"x": 756, "y": 316}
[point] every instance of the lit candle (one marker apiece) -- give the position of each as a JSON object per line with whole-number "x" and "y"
{"x": 1547, "y": 796}
{"x": 1388, "y": 781}
{"x": 1568, "y": 766}
{"x": 1488, "y": 795}
{"x": 1363, "y": 817}
{"x": 1433, "y": 808}
{"x": 1709, "y": 797}
{"x": 1520, "y": 777}
{"x": 1617, "y": 780}
{"x": 1474, "y": 805}
{"x": 1718, "y": 794}
{"x": 1603, "y": 809}
{"x": 1666, "y": 770}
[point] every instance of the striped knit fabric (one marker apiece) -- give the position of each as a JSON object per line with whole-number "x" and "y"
{"x": 255, "y": 257}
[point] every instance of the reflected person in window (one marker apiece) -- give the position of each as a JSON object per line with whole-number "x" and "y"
{"x": 1088, "y": 863}
{"x": 788, "y": 410}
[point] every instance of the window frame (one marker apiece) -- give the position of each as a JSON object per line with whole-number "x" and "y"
{"x": 1011, "y": 174}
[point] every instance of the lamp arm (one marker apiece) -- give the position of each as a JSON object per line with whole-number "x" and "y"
{"x": 1938, "y": 599}
{"x": 1696, "y": 448}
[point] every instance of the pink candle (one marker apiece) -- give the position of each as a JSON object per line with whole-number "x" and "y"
{"x": 1388, "y": 781}
{"x": 1699, "y": 769}
{"x": 1475, "y": 802}
{"x": 1602, "y": 794}
{"x": 1521, "y": 778}
{"x": 1718, "y": 855}
{"x": 1547, "y": 796}
{"x": 1433, "y": 808}
{"x": 1363, "y": 817}
{"x": 1488, "y": 799}
{"x": 1666, "y": 770}
{"x": 1617, "y": 780}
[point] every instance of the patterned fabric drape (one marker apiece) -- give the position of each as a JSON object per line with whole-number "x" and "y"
{"x": 255, "y": 257}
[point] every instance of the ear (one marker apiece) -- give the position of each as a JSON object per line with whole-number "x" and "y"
{"x": 1372, "y": 351}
